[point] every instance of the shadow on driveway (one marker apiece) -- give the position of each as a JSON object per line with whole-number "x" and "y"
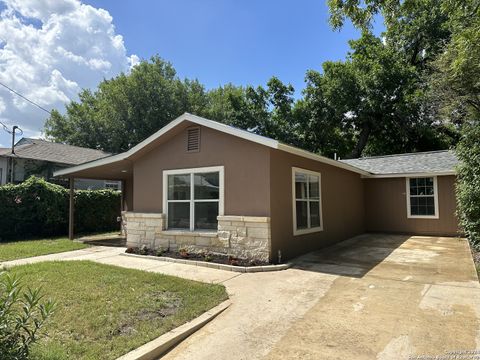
{"x": 354, "y": 257}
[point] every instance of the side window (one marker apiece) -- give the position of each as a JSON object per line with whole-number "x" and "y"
{"x": 422, "y": 197}
{"x": 307, "y": 204}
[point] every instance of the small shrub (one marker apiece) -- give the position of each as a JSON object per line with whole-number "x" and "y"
{"x": 208, "y": 257}
{"x": 159, "y": 252}
{"x": 183, "y": 253}
{"x": 131, "y": 250}
{"x": 233, "y": 260}
{"x": 22, "y": 315}
{"x": 144, "y": 250}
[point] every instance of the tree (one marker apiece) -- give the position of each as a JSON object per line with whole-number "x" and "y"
{"x": 457, "y": 98}
{"x": 369, "y": 104}
{"x": 128, "y": 108}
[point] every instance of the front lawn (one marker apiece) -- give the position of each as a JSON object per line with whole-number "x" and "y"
{"x": 28, "y": 248}
{"x": 104, "y": 311}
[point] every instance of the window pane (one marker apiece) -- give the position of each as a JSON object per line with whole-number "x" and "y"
{"x": 179, "y": 187}
{"x": 302, "y": 214}
{"x": 424, "y": 205}
{"x": 179, "y": 215}
{"x": 414, "y": 210}
{"x": 421, "y": 182}
{"x": 422, "y": 210}
{"x": 314, "y": 213}
{"x": 207, "y": 186}
{"x": 300, "y": 186}
{"x": 413, "y": 187}
{"x": 206, "y": 215}
{"x": 313, "y": 183}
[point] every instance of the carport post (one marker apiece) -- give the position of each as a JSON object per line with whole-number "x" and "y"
{"x": 70, "y": 209}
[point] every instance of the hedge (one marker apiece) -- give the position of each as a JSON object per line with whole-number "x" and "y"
{"x": 468, "y": 184}
{"x": 37, "y": 208}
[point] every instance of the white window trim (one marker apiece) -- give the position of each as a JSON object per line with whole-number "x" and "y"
{"x": 294, "y": 204}
{"x": 435, "y": 197}
{"x": 192, "y": 171}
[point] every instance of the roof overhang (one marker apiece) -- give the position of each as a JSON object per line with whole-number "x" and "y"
{"x": 409, "y": 174}
{"x": 151, "y": 140}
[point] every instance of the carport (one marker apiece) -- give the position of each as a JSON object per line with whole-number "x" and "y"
{"x": 112, "y": 168}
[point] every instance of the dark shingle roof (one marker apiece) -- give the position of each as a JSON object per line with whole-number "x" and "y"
{"x": 422, "y": 162}
{"x": 37, "y": 149}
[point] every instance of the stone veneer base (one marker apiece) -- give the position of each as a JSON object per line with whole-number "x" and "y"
{"x": 246, "y": 237}
{"x": 212, "y": 265}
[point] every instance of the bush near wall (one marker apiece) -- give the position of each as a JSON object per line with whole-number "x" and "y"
{"x": 37, "y": 208}
{"x": 468, "y": 184}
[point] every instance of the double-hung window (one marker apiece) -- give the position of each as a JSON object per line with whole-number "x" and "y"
{"x": 307, "y": 202}
{"x": 422, "y": 198}
{"x": 193, "y": 198}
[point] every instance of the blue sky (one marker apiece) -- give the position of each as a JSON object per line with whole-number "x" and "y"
{"x": 50, "y": 50}
{"x": 243, "y": 42}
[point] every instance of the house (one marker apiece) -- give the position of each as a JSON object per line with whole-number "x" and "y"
{"x": 203, "y": 185}
{"x": 41, "y": 158}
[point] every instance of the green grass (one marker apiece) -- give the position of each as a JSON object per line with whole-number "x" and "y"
{"x": 28, "y": 248}
{"x": 104, "y": 311}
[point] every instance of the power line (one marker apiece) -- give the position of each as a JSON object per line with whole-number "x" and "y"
{"x": 23, "y": 97}
{"x": 7, "y": 129}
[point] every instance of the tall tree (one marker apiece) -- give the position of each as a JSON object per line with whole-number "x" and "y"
{"x": 370, "y": 103}
{"x": 128, "y": 108}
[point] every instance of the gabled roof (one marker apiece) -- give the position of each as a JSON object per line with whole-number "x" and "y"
{"x": 433, "y": 162}
{"x": 37, "y": 149}
{"x": 274, "y": 144}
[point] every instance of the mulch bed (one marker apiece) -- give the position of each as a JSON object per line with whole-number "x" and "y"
{"x": 207, "y": 257}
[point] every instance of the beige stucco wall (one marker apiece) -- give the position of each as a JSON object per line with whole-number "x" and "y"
{"x": 342, "y": 205}
{"x": 386, "y": 208}
{"x": 247, "y": 171}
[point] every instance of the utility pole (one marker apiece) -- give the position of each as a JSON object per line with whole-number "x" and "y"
{"x": 12, "y": 160}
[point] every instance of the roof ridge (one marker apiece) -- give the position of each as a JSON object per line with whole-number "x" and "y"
{"x": 396, "y": 155}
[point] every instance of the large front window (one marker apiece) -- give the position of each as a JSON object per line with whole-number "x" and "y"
{"x": 194, "y": 198}
{"x": 307, "y": 204}
{"x": 422, "y": 199}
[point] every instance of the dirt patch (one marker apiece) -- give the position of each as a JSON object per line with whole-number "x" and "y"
{"x": 162, "y": 305}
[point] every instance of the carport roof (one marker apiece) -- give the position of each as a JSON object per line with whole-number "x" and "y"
{"x": 433, "y": 162}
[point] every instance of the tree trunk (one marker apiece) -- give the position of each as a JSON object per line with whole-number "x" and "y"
{"x": 361, "y": 143}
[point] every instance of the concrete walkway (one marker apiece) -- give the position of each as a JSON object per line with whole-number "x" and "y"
{"x": 372, "y": 297}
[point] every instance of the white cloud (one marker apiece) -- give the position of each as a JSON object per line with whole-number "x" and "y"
{"x": 49, "y": 51}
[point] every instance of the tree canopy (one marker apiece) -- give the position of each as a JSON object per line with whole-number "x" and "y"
{"x": 377, "y": 101}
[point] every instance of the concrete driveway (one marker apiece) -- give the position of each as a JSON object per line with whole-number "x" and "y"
{"x": 371, "y": 297}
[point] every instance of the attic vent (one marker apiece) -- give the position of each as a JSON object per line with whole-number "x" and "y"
{"x": 193, "y": 139}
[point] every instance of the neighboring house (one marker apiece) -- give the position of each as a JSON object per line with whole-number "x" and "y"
{"x": 203, "y": 185}
{"x": 42, "y": 158}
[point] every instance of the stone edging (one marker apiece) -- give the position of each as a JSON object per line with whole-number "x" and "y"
{"x": 241, "y": 269}
{"x": 158, "y": 347}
